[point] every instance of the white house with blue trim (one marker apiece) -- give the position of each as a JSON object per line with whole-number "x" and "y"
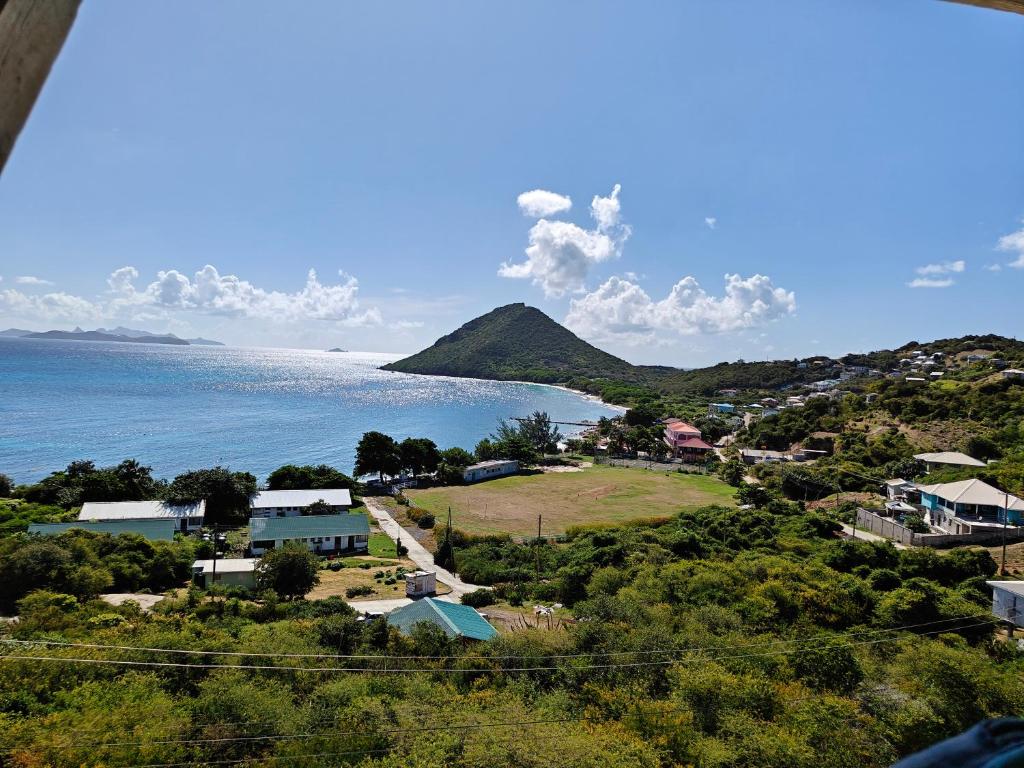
{"x": 969, "y": 506}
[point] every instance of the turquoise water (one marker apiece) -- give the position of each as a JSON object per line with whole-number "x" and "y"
{"x": 178, "y": 408}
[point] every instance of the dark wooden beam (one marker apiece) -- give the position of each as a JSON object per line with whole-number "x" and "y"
{"x": 1013, "y": 6}
{"x": 31, "y": 35}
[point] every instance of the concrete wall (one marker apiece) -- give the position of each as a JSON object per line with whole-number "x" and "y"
{"x": 31, "y": 35}
{"x": 884, "y": 526}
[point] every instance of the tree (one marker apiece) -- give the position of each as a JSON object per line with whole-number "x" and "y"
{"x": 540, "y": 433}
{"x": 457, "y": 457}
{"x": 290, "y": 571}
{"x": 643, "y": 415}
{"x": 419, "y": 455}
{"x": 227, "y": 493}
{"x": 318, "y": 507}
{"x": 6, "y": 486}
{"x": 378, "y": 454}
{"x": 293, "y": 477}
{"x": 732, "y": 471}
{"x": 484, "y": 450}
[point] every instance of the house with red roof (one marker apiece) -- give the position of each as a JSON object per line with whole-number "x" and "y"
{"x": 685, "y": 441}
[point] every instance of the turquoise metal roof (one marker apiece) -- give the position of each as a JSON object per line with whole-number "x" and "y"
{"x": 307, "y": 526}
{"x": 154, "y": 530}
{"x": 454, "y": 619}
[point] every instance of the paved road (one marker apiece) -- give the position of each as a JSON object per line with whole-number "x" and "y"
{"x": 418, "y": 553}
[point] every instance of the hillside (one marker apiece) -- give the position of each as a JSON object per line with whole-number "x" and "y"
{"x": 99, "y": 336}
{"x": 516, "y": 342}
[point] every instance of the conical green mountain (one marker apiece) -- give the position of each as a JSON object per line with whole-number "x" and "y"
{"x": 519, "y": 343}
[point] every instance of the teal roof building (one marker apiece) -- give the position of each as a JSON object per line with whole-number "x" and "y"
{"x": 455, "y": 620}
{"x": 154, "y": 530}
{"x": 322, "y": 534}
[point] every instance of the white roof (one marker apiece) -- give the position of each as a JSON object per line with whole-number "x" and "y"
{"x": 1017, "y": 587}
{"x": 140, "y": 510}
{"x": 491, "y": 463}
{"x": 336, "y": 497}
{"x": 1016, "y": 371}
{"x": 950, "y": 457}
{"x": 227, "y": 565}
{"x": 973, "y": 492}
{"x": 898, "y": 482}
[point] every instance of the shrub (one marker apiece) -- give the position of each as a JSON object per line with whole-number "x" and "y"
{"x": 426, "y": 520}
{"x": 479, "y": 598}
{"x": 361, "y": 591}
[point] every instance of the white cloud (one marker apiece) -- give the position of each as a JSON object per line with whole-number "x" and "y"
{"x": 621, "y": 310}
{"x": 931, "y": 282}
{"x": 711, "y": 222}
{"x": 206, "y": 292}
{"x": 606, "y": 210}
{"x": 538, "y": 203}
{"x": 1013, "y": 243}
{"x": 560, "y": 253}
{"x": 31, "y": 280}
{"x": 60, "y": 307}
{"x": 994, "y": 267}
{"x": 942, "y": 268}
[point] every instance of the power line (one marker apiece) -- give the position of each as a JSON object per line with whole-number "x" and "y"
{"x": 372, "y": 657}
{"x": 429, "y": 670}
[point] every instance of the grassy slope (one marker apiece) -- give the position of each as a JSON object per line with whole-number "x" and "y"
{"x": 599, "y": 494}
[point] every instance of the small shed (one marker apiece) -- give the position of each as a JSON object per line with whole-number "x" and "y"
{"x": 1008, "y": 601}
{"x": 488, "y": 470}
{"x": 228, "y": 572}
{"x": 420, "y": 584}
{"x": 455, "y": 620}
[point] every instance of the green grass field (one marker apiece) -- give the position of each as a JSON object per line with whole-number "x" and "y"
{"x": 599, "y": 494}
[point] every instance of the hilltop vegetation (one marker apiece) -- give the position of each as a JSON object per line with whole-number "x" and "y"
{"x": 515, "y": 342}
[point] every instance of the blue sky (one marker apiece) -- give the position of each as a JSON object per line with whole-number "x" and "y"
{"x": 831, "y": 148}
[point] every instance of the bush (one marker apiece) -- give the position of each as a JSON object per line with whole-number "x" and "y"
{"x": 361, "y": 591}
{"x": 479, "y": 598}
{"x": 426, "y": 520}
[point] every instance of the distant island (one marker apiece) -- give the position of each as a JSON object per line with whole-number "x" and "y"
{"x": 119, "y": 334}
{"x": 337, "y": 349}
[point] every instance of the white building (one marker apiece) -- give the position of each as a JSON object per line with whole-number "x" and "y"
{"x": 488, "y": 470}
{"x": 294, "y": 503}
{"x": 1012, "y": 373}
{"x": 186, "y": 517}
{"x": 322, "y": 534}
{"x": 420, "y": 584}
{"x": 228, "y": 572}
{"x": 1008, "y": 601}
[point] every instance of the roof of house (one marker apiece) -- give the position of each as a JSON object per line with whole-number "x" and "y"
{"x": 760, "y": 452}
{"x": 227, "y": 565}
{"x": 695, "y": 442}
{"x": 898, "y": 482}
{"x": 455, "y": 620}
{"x": 154, "y": 530}
{"x": 1015, "y": 371}
{"x": 490, "y": 463}
{"x": 1017, "y": 587}
{"x": 973, "y": 491}
{"x": 336, "y": 497}
{"x": 307, "y": 526}
{"x": 950, "y": 457}
{"x": 140, "y": 510}
{"x": 681, "y": 426}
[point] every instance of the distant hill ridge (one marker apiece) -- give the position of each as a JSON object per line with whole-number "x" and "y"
{"x": 515, "y": 343}
{"x": 521, "y": 343}
{"x": 119, "y": 334}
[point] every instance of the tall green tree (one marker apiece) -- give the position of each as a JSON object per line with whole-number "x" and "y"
{"x": 291, "y": 571}
{"x": 378, "y": 454}
{"x": 419, "y": 455}
{"x": 227, "y": 493}
{"x": 293, "y": 477}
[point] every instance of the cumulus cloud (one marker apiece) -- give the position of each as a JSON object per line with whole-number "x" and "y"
{"x": 207, "y": 292}
{"x": 31, "y": 280}
{"x": 538, "y": 203}
{"x": 560, "y": 254}
{"x": 1013, "y": 243}
{"x": 942, "y": 268}
{"x": 711, "y": 222}
{"x": 931, "y": 282}
{"x": 994, "y": 267}
{"x": 621, "y": 310}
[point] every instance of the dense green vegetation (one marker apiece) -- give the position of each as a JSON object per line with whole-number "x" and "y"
{"x": 714, "y": 638}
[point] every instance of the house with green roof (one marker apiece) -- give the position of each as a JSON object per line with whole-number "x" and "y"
{"x": 154, "y": 530}
{"x": 322, "y": 534}
{"x": 454, "y": 619}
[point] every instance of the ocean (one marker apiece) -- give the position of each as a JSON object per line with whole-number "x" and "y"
{"x": 178, "y": 408}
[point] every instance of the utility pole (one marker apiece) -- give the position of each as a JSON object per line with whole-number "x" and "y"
{"x": 1006, "y": 518}
{"x": 537, "y": 549}
{"x": 448, "y": 536}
